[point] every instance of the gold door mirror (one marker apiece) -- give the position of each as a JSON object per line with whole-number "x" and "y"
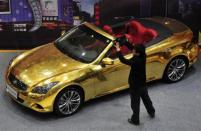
{"x": 107, "y": 61}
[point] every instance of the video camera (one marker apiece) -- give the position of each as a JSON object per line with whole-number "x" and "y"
{"x": 122, "y": 40}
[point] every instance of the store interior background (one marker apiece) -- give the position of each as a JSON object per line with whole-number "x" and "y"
{"x": 178, "y": 105}
{"x": 101, "y": 12}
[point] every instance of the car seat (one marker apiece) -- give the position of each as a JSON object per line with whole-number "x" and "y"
{"x": 108, "y": 29}
{"x": 138, "y": 33}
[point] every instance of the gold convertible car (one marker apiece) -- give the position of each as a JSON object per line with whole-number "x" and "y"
{"x": 82, "y": 65}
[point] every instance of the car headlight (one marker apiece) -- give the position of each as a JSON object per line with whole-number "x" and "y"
{"x": 44, "y": 89}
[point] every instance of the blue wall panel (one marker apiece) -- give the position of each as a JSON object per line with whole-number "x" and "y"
{"x": 20, "y": 12}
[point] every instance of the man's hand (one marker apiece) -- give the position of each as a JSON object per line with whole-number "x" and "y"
{"x": 117, "y": 45}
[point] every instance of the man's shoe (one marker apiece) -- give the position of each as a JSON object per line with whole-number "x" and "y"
{"x": 136, "y": 123}
{"x": 152, "y": 115}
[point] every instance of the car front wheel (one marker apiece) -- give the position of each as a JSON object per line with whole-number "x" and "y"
{"x": 68, "y": 102}
{"x": 175, "y": 70}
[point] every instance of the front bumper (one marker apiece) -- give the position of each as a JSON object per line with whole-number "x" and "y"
{"x": 38, "y": 103}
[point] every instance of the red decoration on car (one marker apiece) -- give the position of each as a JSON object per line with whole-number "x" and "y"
{"x": 97, "y": 14}
{"x": 139, "y": 34}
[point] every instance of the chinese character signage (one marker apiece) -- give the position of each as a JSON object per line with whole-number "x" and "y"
{"x": 49, "y": 7}
{"x": 5, "y": 7}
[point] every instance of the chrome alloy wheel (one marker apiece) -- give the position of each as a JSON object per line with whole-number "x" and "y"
{"x": 69, "y": 102}
{"x": 176, "y": 69}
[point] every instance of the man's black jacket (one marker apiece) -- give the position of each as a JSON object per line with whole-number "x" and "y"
{"x": 137, "y": 76}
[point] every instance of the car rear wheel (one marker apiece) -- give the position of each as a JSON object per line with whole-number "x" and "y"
{"x": 175, "y": 70}
{"x": 68, "y": 102}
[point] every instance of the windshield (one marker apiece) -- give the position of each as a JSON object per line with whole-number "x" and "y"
{"x": 82, "y": 44}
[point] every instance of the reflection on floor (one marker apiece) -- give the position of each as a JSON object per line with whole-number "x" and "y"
{"x": 178, "y": 107}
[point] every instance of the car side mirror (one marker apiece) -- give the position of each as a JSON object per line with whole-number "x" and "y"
{"x": 107, "y": 61}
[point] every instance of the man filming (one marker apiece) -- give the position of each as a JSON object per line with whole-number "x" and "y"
{"x": 137, "y": 79}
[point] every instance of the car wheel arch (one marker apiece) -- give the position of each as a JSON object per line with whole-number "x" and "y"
{"x": 178, "y": 56}
{"x": 75, "y": 86}
{"x": 66, "y": 88}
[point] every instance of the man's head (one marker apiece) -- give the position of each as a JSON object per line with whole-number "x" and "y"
{"x": 139, "y": 50}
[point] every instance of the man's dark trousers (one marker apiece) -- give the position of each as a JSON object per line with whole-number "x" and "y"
{"x": 136, "y": 94}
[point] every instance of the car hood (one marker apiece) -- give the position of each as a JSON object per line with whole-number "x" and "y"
{"x": 42, "y": 64}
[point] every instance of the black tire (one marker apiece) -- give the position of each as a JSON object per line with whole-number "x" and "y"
{"x": 175, "y": 70}
{"x": 68, "y": 102}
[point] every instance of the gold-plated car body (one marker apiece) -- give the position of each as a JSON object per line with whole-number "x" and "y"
{"x": 46, "y": 64}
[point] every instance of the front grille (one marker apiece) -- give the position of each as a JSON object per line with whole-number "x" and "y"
{"x": 17, "y": 83}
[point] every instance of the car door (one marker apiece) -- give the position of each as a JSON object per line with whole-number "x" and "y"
{"x": 116, "y": 74}
{"x": 106, "y": 79}
{"x": 123, "y": 71}
{"x": 155, "y": 65}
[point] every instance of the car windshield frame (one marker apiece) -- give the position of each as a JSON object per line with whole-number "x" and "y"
{"x": 82, "y": 43}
